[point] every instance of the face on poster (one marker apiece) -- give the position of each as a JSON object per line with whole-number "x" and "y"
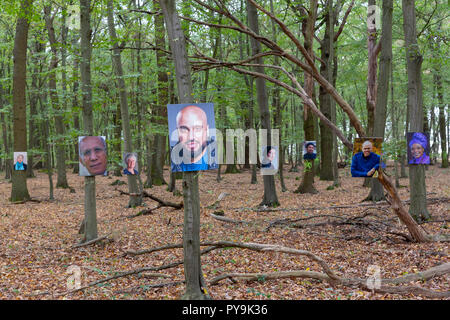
{"x": 93, "y": 155}
{"x": 192, "y": 136}
{"x": 418, "y": 144}
{"x": 130, "y": 163}
{"x": 309, "y": 150}
{"x": 367, "y": 146}
{"x": 269, "y": 160}
{"x": 20, "y": 161}
{"x": 366, "y": 158}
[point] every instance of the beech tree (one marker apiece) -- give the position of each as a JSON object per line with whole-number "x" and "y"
{"x": 195, "y": 282}
{"x": 89, "y": 224}
{"x": 19, "y": 190}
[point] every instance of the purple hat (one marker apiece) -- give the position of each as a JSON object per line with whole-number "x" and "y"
{"x": 420, "y": 138}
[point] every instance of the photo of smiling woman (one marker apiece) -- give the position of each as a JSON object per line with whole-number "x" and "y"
{"x": 418, "y": 148}
{"x": 93, "y": 155}
{"x": 130, "y": 160}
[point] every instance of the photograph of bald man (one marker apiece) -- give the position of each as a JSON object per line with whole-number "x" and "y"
{"x": 190, "y": 126}
{"x": 365, "y": 162}
{"x": 93, "y": 155}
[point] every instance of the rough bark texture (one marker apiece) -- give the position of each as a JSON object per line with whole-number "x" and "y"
{"x": 270, "y": 194}
{"x": 159, "y": 144}
{"x": 61, "y": 182}
{"x": 195, "y": 283}
{"x": 382, "y": 92}
{"x": 89, "y": 224}
{"x": 442, "y": 127}
{"x": 418, "y": 208}
{"x": 133, "y": 188}
{"x": 325, "y": 100}
{"x": 307, "y": 183}
{"x": 19, "y": 190}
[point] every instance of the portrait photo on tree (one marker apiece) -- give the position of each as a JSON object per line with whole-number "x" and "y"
{"x": 130, "y": 161}
{"x": 309, "y": 150}
{"x": 366, "y": 158}
{"x": 269, "y": 160}
{"x": 418, "y": 144}
{"x": 20, "y": 161}
{"x": 192, "y": 137}
{"x": 93, "y": 156}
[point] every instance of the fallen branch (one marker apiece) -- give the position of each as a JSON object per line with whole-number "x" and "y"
{"x": 131, "y": 272}
{"x": 145, "y": 212}
{"x": 83, "y": 244}
{"x": 229, "y": 220}
{"x": 163, "y": 203}
{"x": 362, "y": 283}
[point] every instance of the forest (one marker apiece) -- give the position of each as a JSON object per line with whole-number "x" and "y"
{"x": 312, "y": 141}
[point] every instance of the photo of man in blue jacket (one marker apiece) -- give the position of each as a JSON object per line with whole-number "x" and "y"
{"x": 365, "y": 163}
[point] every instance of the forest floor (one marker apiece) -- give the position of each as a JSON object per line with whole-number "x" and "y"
{"x": 37, "y": 239}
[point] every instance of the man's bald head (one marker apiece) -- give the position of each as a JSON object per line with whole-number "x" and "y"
{"x": 192, "y": 125}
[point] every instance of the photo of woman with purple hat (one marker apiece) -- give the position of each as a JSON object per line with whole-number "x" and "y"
{"x": 418, "y": 150}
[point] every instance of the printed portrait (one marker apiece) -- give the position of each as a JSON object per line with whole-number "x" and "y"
{"x": 418, "y": 144}
{"x": 20, "y": 161}
{"x": 93, "y": 155}
{"x": 130, "y": 163}
{"x": 192, "y": 137}
{"x": 366, "y": 158}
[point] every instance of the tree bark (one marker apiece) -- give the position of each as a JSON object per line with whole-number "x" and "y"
{"x": 59, "y": 126}
{"x": 307, "y": 183}
{"x": 159, "y": 145}
{"x": 382, "y": 91}
{"x": 133, "y": 188}
{"x": 418, "y": 208}
{"x": 270, "y": 194}
{"x": 195, "y": 283}
{"x": 325, "y": 100}
{"x": 19, "y": 190}
{"x": 89, "y": 224}
{"x": 442, "y": 126}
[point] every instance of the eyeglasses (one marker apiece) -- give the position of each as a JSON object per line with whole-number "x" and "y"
{"x": 88, "y": 152}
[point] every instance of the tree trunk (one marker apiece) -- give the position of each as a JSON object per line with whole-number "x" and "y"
{"x": 195, "y": 283}
{"x": 270, "y": 194}
{"x": 59, "y": 126}
{"x": 307, "y": 183}
{"x": 133, "y": 188}
{"x": 89, "y": 224}
{"x": 163, "y": 98}
{"x": 442, "y": 126}
{"x": 75, "y": 104}
{"x": 19, "y": 190}
{"x": 418, "y": 207}
{"x": 382, "y": 92}
{"x": 325, "y": 100}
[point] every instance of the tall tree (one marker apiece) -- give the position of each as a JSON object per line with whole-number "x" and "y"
{"x": 59, "y": 125}
{"x": 133, "y": 188}
{"x": 160, "y": 141}
{"x": 89, "y": 225}
{"x": 19, "y": 190}
{"x": 382, "y": 92}
{"x": 270, "y": 193}
{"x": 325, "y": 100}
{"x": 195, "y": 283}
{"x": 418, "y": 207}
{"x": 308, "y": 28}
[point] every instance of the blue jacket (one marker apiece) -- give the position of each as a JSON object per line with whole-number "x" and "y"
{"x": 361, "y": 165}
{"x": 202, "y": 164}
